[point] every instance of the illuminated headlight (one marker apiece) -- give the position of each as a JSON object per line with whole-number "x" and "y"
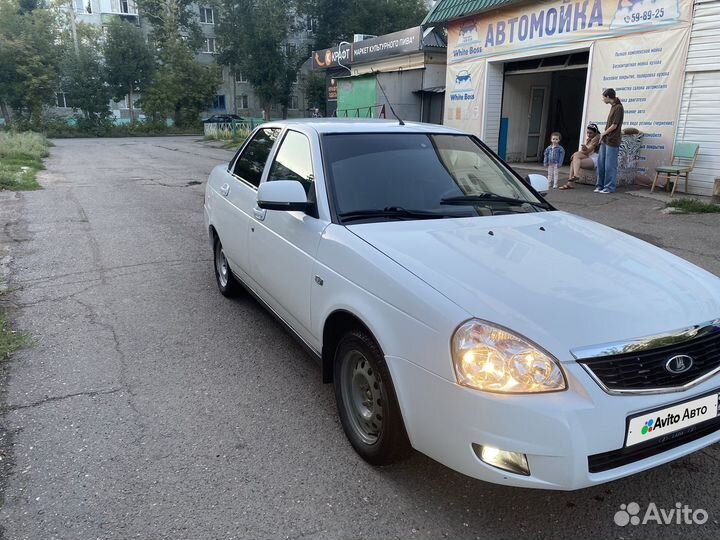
{"x": 496, "y": 360}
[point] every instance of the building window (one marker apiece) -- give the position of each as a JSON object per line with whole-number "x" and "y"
{"x": 290, "y": 49}
{"x": 293, "y": 103}
{"x": 126, "y": 7}
{"x": 61, "y": 100}
{"x": 82, "y": 6}
{"x": 239, "y": 77}
{"x": 207, "y": 15}
{"x": 209, "y": 45}
{"x": 244, "y": 103}
{"x": 310, "y": 24}
{"x": 219, "y": 103}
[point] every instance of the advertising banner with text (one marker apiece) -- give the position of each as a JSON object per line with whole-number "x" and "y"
{"x": 647, "y": 72}
{"x": 548, "y": 24}
{"x": 464, "y": 95}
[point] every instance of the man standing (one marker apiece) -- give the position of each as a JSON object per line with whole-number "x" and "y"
{"x": 610, "y": 140}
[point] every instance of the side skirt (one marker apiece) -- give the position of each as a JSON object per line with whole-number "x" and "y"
{"x": 304, "y": 344}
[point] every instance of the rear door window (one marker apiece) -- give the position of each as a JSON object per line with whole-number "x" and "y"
{"x": 251, "y": 162}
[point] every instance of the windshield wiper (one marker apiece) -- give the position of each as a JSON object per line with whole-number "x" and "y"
{"x": 484, "y": 197}
{"x": 390, "y": 212}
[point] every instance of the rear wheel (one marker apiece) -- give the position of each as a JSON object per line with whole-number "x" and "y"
{"x": 226, "y": 282}
{"x": 366, "y": 401}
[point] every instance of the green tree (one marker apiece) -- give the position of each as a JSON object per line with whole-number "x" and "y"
{"x": 171, "y": 19}
{"x": 129, "y": 61}
{"x": 10, "y": 50}
{"x": 29, "y": 58}
{"x": 181, "y": 87}
{"x": 314, "y": 88}
{"x": 338, "y": 20}
{"x": 253, "y": 38}
{"x": 83, "y": 81}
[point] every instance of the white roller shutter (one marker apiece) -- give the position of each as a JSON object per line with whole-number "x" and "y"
{"x": 704, "y": 39}
{"x": 494, "y": 74}
{"x": 699, "y": 120}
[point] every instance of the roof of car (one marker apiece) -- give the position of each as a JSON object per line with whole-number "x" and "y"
{"x": 362, "y": 125}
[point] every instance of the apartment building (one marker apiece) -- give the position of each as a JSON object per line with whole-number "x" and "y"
{"x": 235, "y": 94}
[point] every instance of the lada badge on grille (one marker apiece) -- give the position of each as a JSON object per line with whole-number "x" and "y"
{"x": 679, "y": 364}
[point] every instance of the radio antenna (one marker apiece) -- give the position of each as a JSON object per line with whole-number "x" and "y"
{"x": 386, "y": 98}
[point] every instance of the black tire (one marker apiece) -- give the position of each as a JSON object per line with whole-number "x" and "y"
{"x": 226, "y": 282}
{"x": 366, "y": 401}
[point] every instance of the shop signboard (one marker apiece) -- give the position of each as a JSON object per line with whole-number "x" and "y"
{"x": 549, "y": 24}
{"x": 332, "y": 92}
{"x": 369, "y": 50}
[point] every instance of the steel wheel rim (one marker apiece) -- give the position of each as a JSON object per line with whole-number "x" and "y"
{"x": 221, "y": 266}
{"x": 362, "y": 396}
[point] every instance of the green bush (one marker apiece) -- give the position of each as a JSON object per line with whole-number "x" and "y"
{"x": 138, "y": 129}
{"x": 56, "y": 127}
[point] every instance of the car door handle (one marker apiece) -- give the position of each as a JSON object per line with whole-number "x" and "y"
{"x": 259, "y": 213}
{"x": 225, "y": 190}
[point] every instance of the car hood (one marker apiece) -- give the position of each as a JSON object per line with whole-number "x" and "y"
{"x": 560, "y": 280}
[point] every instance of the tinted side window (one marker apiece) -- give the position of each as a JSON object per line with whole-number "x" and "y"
{"x": 293, "y": 161}
{"x": 249, "y": 166}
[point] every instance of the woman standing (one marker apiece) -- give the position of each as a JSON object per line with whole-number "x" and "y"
{"x": 586, "y": 157}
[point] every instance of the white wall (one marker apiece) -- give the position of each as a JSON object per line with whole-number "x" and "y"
{"x": 699, "y": 120}
{"x": 516, "y": 108}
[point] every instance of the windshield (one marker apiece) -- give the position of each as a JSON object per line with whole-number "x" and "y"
{"x": 382, "y": 176}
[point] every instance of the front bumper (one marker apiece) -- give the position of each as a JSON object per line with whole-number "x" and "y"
{"x": 557, "y": 432}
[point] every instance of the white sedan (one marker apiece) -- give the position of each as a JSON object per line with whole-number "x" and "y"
{"x": 458, "y": 313}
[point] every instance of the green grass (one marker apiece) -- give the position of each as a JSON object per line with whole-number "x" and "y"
{"x": 20, "y": 159}
{"x": 24, "y": 145}
{"x": 10, "y": 340}
{"x": 695, "y": 206}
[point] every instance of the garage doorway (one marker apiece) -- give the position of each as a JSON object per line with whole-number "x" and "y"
{"x": 541, "y": 96}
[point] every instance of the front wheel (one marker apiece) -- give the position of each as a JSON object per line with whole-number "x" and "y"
{"x": 226, "y": 282}
{"x": 366, "y": 401}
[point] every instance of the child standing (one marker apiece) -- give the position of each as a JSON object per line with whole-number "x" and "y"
{"x": 553, "y": 158}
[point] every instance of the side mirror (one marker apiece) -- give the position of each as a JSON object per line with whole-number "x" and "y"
{"x": 287, "y": 195}
{"x": 539, "y": 183}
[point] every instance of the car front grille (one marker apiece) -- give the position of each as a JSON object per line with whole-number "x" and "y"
{"x": 646, "y": 370}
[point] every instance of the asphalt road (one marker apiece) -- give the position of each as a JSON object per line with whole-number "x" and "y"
{"x": 151, "y": 407}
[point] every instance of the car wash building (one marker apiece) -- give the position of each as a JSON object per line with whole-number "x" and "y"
{"x": 405, "y": 69}
{"x": 518, "y": 71}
